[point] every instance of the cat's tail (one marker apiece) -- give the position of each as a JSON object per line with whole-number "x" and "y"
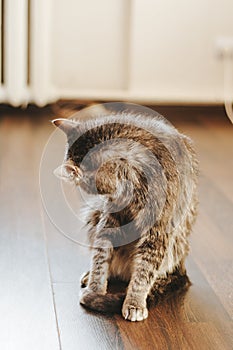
{"x": 108, "y": 303}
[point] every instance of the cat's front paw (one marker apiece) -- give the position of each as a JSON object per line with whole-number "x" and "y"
{"x": 134, "y": 311}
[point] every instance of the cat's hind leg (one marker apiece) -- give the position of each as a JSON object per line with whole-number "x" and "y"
{"x": 150, "y": 265}
{"x": 170, "y": 282}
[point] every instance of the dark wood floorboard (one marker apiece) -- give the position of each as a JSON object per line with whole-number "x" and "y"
{"x": 80, "y": 328}
{"x": 27, "y": 318}
{"x": 200, "y": 318}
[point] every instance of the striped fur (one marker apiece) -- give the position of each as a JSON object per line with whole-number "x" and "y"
{"x": 143, "y": 173}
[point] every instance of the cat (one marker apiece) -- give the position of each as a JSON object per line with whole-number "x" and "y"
{"x": 143, "y": 175}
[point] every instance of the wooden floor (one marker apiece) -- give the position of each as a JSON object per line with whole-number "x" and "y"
{"x": 40, "y": 268}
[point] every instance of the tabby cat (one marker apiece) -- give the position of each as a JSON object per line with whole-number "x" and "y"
{"x": 142, "y": 174}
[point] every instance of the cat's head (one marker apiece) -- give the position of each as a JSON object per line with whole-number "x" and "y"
{"x": 84, "y": 162}
{"x": 68, "y": 170}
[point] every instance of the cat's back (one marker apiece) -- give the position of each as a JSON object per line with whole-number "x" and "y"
{"x": 148, "y": 129}
{"x": 152, "y": 123}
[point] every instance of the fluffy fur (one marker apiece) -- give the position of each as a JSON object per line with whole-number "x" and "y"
{"x": 144, "y": 174}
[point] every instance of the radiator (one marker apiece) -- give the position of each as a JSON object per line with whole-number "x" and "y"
{"x": 25, "y": 52}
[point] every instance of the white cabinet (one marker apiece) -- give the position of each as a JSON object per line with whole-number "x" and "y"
{"x": 89, "y": 44}
{"x": 173, "y": 54}
{"x": 138, "y": 50}
{"x": 145, "y": 50}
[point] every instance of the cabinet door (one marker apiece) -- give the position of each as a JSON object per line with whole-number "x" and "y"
{"x": 172, "y": 48}
{"x": 89, "y": 44}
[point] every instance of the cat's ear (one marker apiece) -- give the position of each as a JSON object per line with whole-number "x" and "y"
{"x": 65, "y": 125}
{"x": 67, "y": 172}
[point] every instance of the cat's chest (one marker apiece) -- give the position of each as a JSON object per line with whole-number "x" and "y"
{"x": 121, "y": 263}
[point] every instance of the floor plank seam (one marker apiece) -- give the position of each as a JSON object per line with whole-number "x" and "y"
{"x": 50, "y": 277}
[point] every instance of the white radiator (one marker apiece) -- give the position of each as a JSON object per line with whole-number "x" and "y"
{"x": 25, "y": 52}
